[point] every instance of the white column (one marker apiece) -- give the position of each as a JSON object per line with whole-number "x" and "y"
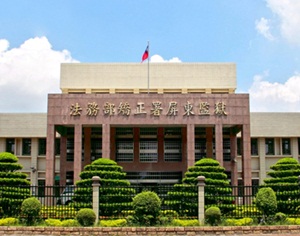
{"x": 201, "y": 199}
{"x": 294, "y": 148}
{"x": 262, "y": 159}
{"x": 96, "y": 185}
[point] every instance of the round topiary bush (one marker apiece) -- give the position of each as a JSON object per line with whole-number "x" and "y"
{"x": 86, "y": 217}
{"x": 146, "y": 206}
{"x": 31, "y": 208}
{"x": 213, "y": 215}
{"x": 266, "y": 201}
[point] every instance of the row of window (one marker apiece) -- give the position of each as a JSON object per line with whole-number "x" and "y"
{"x": 148, "y": 148}
{"x": 26, "y": 146}
{"x": 272, "y": 146}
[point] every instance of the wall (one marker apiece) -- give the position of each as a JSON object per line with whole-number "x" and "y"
{"x": 208, "y": 231}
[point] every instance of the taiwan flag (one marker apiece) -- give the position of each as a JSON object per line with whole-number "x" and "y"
{"x": 146, "y": 54}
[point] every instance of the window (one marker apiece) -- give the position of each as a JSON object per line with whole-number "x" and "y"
{"x": 57, "y": 146}
{"x": 239, "y": 146}
{"x": 270, "y": 148}
{"x": 172, "y": 149}
{"x": 69, "y": 177}
{"x": 254, "y": 147}
{"x": 42, "y": 146}
{"x": 10, "y": 145}
{"x": 226, "y": 149}
{"x": 96, "y": 145}
{"x": 26, "y": 146}
{"x": 286, "y": 146}
{"x": 124, "y": 150}
{"x": 70, "y": 149}
{"x": 200, "y": 148}
{"x": 148, "y": 151}
{"x": 41, "y": 188}
{"x": 124, "y": 132}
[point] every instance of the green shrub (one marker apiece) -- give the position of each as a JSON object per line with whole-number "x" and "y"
{"x": 266, "y": 201}
{"x": 70, "y": 223}
{"x": 238, "y": 222}
{"x": 9, "y": 221}
{"x": 59, "y": 211}
{"x": 53, "y": 222}
{"x": 146, "y": 206}
{"x": 86, "y": 217}
{"x": 280, "y": 217}
{"x": 213, "y": 215}
{"x": 169, "y": 213}
{"x": 31, "y": 208}
{"x": 113, "y": 223}
{"x": 185, "y": 223}
{"x": 293, "y": 221}
{"x": 166, "y": 216}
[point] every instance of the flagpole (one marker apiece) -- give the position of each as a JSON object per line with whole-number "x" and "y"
{"x": 148, "y": 66}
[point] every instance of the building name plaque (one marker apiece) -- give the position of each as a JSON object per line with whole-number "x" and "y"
{"x": 157, "y": 109}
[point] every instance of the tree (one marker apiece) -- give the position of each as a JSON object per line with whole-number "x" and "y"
{"x": 285, "y": 183}
{"x": 115, "y": 192}
{"x": 14, "y": 187}
{"x": 184, "y": 197}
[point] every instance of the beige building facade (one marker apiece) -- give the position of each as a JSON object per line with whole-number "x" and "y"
{"x": 154, "y": 121}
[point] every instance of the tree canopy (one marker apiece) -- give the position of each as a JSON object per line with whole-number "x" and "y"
{"x": 284, "y": 180}
{"x": 115, "y": 192}
{"x": 184, "y": 198}
{"x": 14, "y": 187}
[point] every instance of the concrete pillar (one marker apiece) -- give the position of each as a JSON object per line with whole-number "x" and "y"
{"x": 294, "y": 148}
{"x": 262, "y": 159}
{"x": 3, "y": 145}
{"x": 77, "y": 152}
{"x": 106, "y": 141}
{"x": 246, "y": 155}
{"x": 219, "y": 143}
{"x": 34, "y": 161}
{"x": 190, "y": 145}
{"x": 233, "y": 153}
{"x": 96, "y": 185}
{"x": 201, "y": 200}
{"x": 50, "y": 155}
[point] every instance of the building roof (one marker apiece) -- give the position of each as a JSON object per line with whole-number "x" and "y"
{"x": 23, "y": 125}
{"x": 275, "y": 124}
{"x": 133, "y": 77}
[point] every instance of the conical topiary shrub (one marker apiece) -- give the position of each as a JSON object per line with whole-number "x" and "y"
{"x": 285, "y": 183}
{"x": 115, "y": 192}
{"x": 14, "y": 187}
{"x": 184, "y": 198}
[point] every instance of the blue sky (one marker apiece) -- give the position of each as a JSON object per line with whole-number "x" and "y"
{"x": 261, "y": 37}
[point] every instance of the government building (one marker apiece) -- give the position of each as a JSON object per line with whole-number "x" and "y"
{"x": 155, "y": 120}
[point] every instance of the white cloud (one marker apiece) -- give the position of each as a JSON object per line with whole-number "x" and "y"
{"x": 28, "y": 73}
{"x": 263, "y": 27}
{"x": 4, "y": 44}
{"x": 289, "y": 17}
{"x": 276, "y": 97}
{"x": 158, "y": 58}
